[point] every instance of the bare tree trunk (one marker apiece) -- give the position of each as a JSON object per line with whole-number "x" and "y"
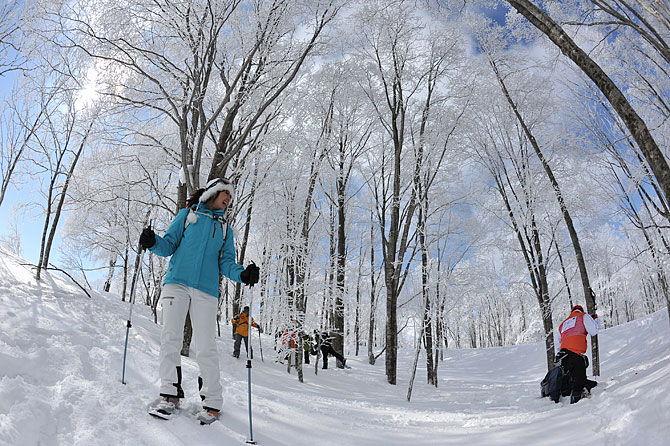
{"x": 395, "y": 245}
{"x": 299, "y": 356}
{"x": 126, "y": 255}
{"x": 416, "y": 362}
{"x": 108, "y": 282}
{"x": 441, "y": 323}
{"x": 338, "y": 320}
{"x": 136, "y": 274}
{"x": 332, "y": 266}
{"x": 426, "y": 329}
{"x": 181, "y": 197}
{"x": 357, "y": 316}
{"x": 371, "y": 326}
{"x": 47, "y": 219}
{"x": 155, "y": 298}
{"x": 318, "y": 354}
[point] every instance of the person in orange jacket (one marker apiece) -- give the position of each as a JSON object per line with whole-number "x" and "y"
{"x": 241, "y": 322}
{"x": 572, "y": 336}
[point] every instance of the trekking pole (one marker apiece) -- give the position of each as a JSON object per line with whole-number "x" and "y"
{"x": 133, "y": 287}
{"x": 251, "y": 429}
{"x": 138, "y": 265}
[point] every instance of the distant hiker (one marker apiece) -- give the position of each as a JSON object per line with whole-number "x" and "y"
{"x": 202, "y": 247}
{"x": 323, "y": 340}
{"x": 572, "y": 337}
{"x": 278, "y": 335}
{"x": 241, "y": 322}
{"x": 307, "y": 345}
{"x": 289, "y": 342}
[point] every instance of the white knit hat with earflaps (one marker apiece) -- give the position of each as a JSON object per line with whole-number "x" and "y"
{"x": 214, "y": 187}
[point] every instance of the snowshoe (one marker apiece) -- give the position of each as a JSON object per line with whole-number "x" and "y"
{"x": 166, "y": 408}
{"x": 207, "y": 416}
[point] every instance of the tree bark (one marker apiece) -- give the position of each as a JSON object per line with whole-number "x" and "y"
{"x": 371, "y": 327}
{"x": 126, "y": 256}
{"x": 426, "y": 329}
{"x": 338, "y": 320}
{"x": 110, "y": 275}
{"x": 357, "y": 316}
{"x": 415, "y": 363}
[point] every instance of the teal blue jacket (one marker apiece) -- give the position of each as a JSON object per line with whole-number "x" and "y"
{"x": 198, "y": 256}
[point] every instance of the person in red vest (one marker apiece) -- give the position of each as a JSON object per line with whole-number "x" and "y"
{"x": 288, "y": 341}
{"x": 572, "y": 336}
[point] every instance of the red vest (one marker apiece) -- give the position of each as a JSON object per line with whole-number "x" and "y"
{"x": 573, "y": 333}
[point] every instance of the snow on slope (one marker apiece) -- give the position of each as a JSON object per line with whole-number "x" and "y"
{"x": 60, "y": 384}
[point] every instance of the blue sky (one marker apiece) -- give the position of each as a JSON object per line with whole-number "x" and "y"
{"x": 30, "y": 221}
{"x": 30, "y": 228}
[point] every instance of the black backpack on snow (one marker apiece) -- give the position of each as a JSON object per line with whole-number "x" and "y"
{"x": 556, "y": 382}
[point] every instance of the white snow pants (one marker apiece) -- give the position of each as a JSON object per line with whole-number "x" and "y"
{"x": 177, "y": 300}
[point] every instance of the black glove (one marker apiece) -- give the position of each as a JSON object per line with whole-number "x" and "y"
{"x": 147, "y": 238}
{"x": 250, "y": 275}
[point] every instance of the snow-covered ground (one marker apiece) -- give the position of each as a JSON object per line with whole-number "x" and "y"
{"x": 60, "y": 384}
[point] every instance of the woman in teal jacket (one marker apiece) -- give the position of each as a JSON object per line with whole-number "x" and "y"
{"x": 202, "y": 247}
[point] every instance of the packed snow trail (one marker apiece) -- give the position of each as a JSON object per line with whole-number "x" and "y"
{"x": 60, "y": 384}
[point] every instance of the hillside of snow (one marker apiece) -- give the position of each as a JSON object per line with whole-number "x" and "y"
{"x": 60, "y": 384}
